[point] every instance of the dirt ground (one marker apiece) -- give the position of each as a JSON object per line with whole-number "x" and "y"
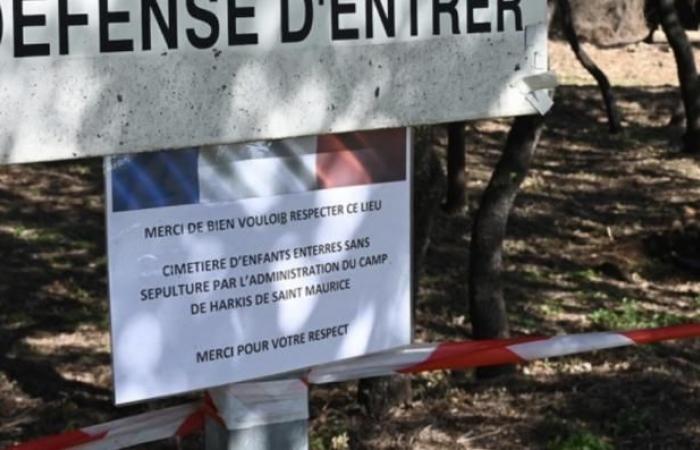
{"x": 603, "y": 236}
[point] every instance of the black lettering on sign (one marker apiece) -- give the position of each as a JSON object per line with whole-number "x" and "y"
{"x": 342, "y": 34}
{"x": 514, "y": 7}
{"x": 234, "y": 13}
{"x": 445, "y": 8}
{"x": 414, "y": 17}
{"x": 208, "y": 18}
{"x": 158, "y": 21}
{"x": 65, "y": 20}
{"x": 472, "y": 25}
{"x": 387, "y": 17}
{"x": 168, "y": 30}
{"x": 298, "y": 35}
{"x": 108, "y": 17}
{"x": 20, "y": 21}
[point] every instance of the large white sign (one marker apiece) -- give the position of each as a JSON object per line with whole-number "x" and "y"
{"x": 236, "y": 262}
{"x": 95, "y": 77}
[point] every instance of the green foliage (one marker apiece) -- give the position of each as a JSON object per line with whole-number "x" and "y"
{"x": 526, "y": 323}
{"x": 316, "y": 443}
{"x": 535, "y": 275}
{"x": 332, "y": 434}
{"x": 631, "y": 315}
{"x": 580, "y": 440}
{"x": 630, "y": 422}
{"x": 551, "y": 309}
{"x": 588, "y": 275}
{"x": 338, "y": 442}
{"x": 38, "y": 236}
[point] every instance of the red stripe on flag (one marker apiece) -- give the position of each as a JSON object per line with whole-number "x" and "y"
{"x": 341, "y": 169}
{"x": 379, "y": 139}
{"x": 358, "y": 159}
{"x": 60, "y": 441}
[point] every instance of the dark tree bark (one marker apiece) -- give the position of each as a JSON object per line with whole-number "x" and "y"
{"x": 649, "y": 39}
{"x": 377, "y": 395}
{"x": 428, "y": 191}
{"x": 652, "y": 19}
{"x": 678, "y": 115}
{"x": 456, "y": 165}
{"x": 486, "y": 302}
{"x": 687, "y": 14}
{"x": 565, "y": 13}
{"x": 687, "y": 72}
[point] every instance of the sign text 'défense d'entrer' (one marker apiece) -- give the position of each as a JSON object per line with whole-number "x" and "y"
{"x": 89, "y": 28}
{"x": 84, "y": 78}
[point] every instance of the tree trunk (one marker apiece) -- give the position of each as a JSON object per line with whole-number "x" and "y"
{"x": 651, "y": 15}
{"x": 456, "y": 164}
{"x": 486, "y": 302}
{"x": 678, "y": 115}
{"x": 428, "y": 191}
{"x": 377, "y": 395}
{"x": 687, "y": 72}
{"x": 614, "y": 122}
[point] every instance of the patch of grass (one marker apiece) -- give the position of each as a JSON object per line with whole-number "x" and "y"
{"x": 592, "y": 297}
{"x": 40, "y": 237}
{"x": 534, "y": 275}
{"x": 551, "y": 309}
{"x": 526, "y": 323}
{"x": 631, "y": 315}
{"x": 16, "y": 318}
{"x": 633, "y": 422}
{"x": 580, "y": 440}
{"x": 83, "y": 169}
{"x": 316, "y": 443}
{"x": 599, "y": 295}
{"x": 339, "y": 442}
{"x": 332, "y": 435}
{"x": 587, "y": 275}
{"x": 18, "y": 231}
{"x": 696, "y": 300}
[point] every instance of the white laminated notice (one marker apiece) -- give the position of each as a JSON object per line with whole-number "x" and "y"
{"x": 232, "y": 263}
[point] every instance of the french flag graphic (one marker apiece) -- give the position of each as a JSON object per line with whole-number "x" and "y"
{"x": 228, "y": 173}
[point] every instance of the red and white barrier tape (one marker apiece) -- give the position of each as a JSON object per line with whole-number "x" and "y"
{"x": 183, "y": 420}
{"x": 462, "y": 355}
{"x": 177, "y": 421}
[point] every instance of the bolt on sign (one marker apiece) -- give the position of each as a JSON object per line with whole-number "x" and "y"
{"x": 236, "y": 262}
{"x": 84, "y": 78}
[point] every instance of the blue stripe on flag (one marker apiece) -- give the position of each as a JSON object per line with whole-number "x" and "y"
{"x": 154, "y": 180}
